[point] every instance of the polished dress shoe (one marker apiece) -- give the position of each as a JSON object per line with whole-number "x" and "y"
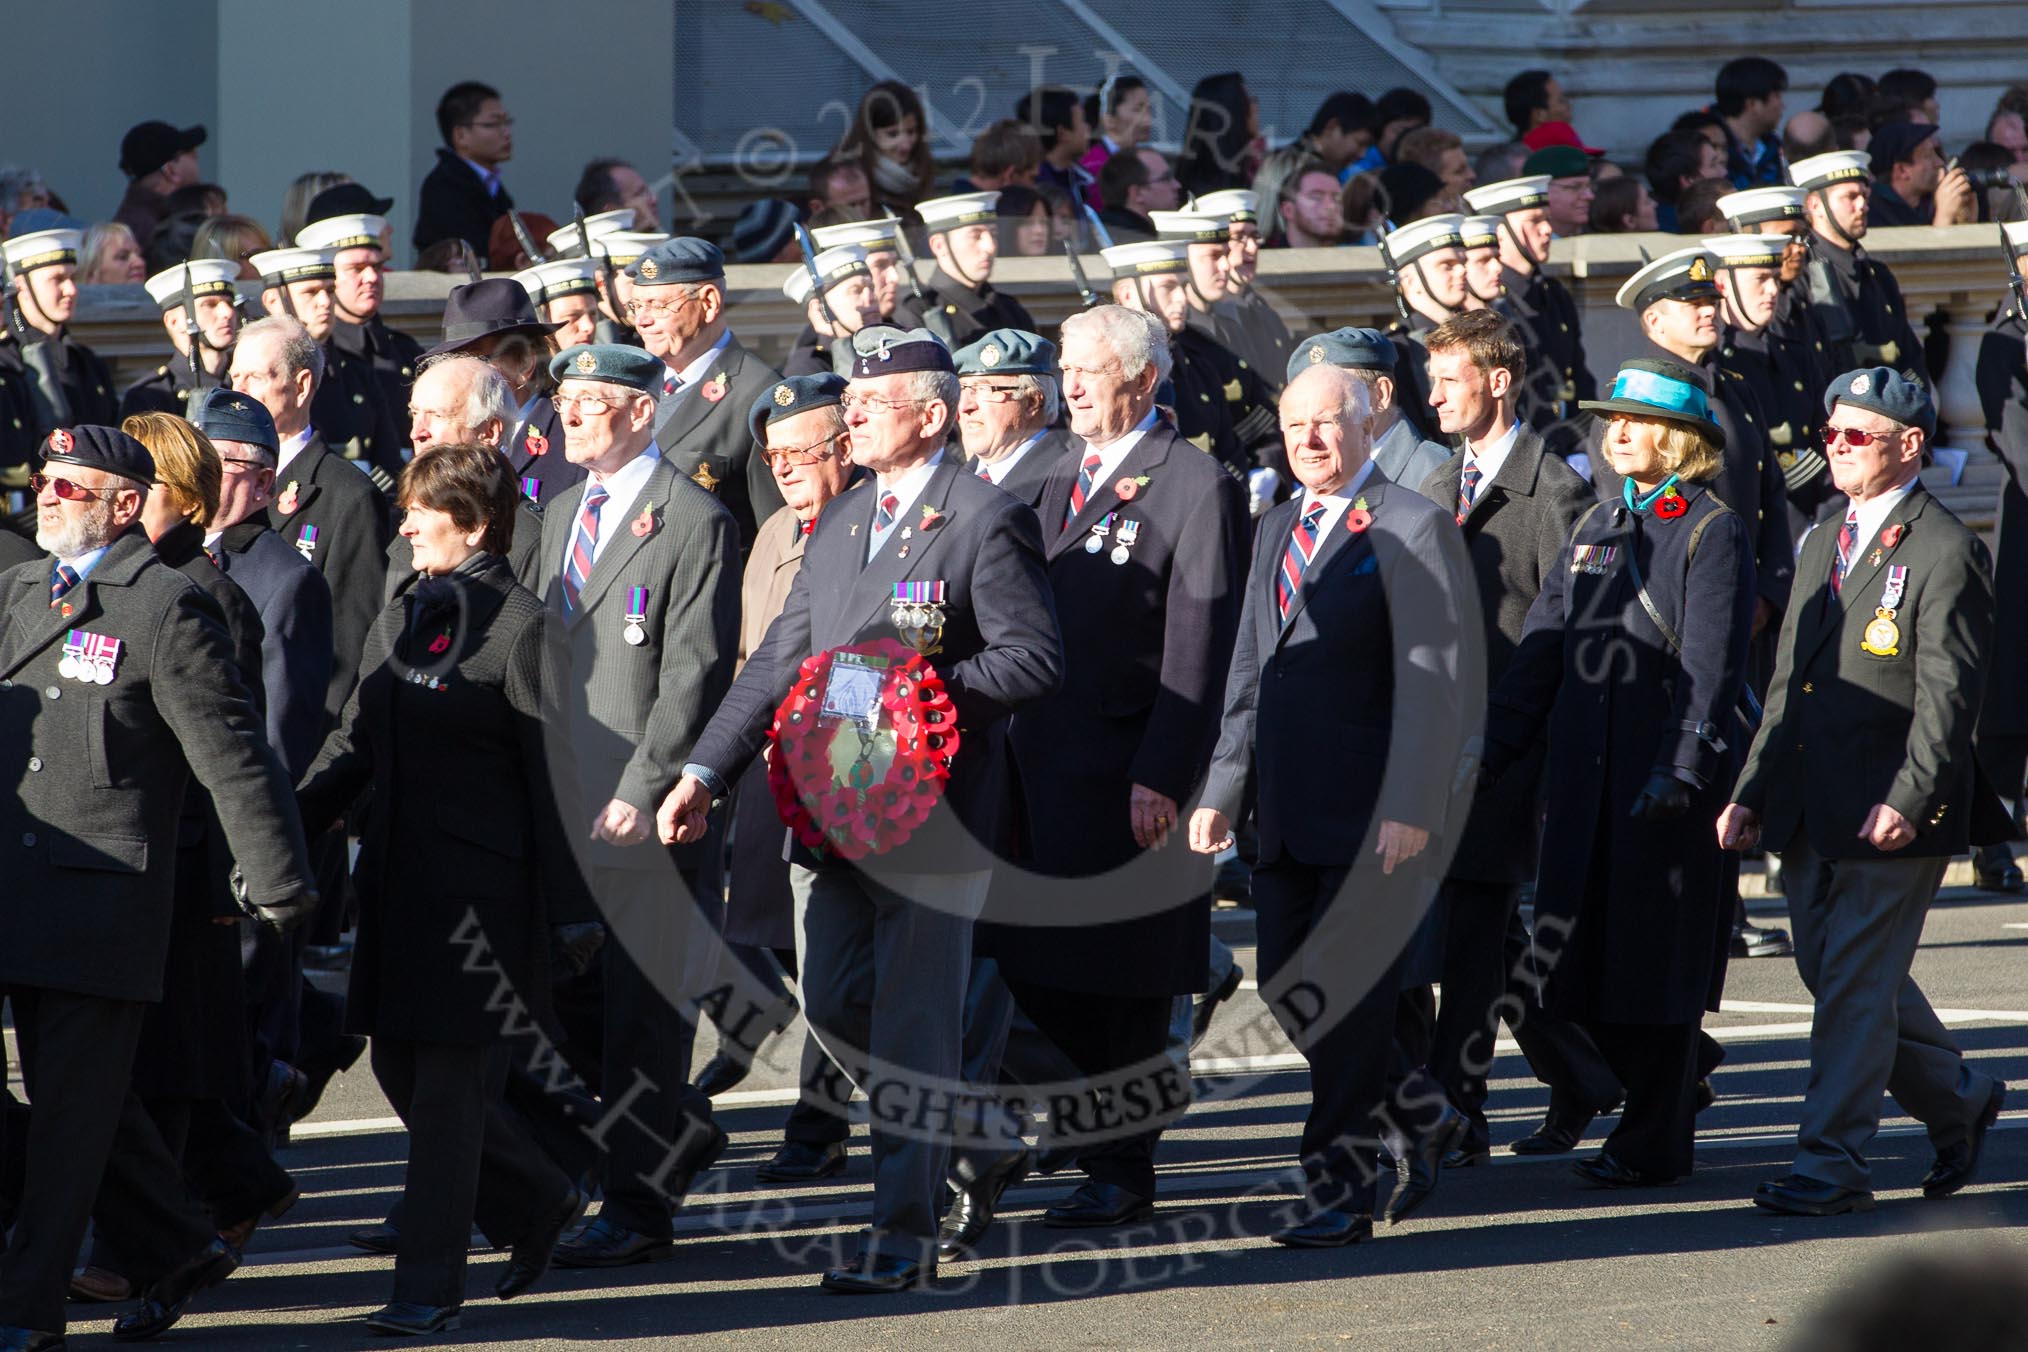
{"x": 406, "y": 1319}
{"x": 1604, "y": 1171}
{"x": 29, "y": 1340}
{"x": 721, "y": 1073}
{"x": 1706, "y": 1095}
{"x": 99, "y": 1286}
{"x": 1756, "y": 941}
{"x": 604, "y": 1244}
{"x": 979, "y": 1190}
{"x": 162, "y": 1305}
{"x": 1994, "y": 869}
{"x": 382, "y": 1238}
{"x": 875, "y": 1274}
{"x": 1559, "y": 1134}
{"x": 1417, "y": 1171}
{"x": 531, "y": 1255}
{"x": 1097, "y": 1205}
{"x": 1798, "y": 1195}
{"x": 1328, "y": 1229}
{"x": 1201, "y": 1013}
{"x": 801, "y": 1162}
{"x": 1956, "y": 1164}
{"x": 684, "y": 1176}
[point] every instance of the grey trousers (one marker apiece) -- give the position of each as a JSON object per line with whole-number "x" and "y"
{"x": 883, "y": 984}
{"x": 1857, "y": 923}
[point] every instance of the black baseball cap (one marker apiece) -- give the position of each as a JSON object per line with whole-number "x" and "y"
{"x": 149, "y": 146}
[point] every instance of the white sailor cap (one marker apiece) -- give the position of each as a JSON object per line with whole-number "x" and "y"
{"x": 1426, "y": 236}
{"x": 875, "y": 236}
{"x": 2016, "y": 233}
{"x": 625, "y": 247}
{"x": 961, "y": 209}
{"x": 1746, "y": 251}
{"x": 1509, "y": 194}
{"x": 558, "y": 278}
{"x": 1481, "y": 232}
{"x": 1192, "y": 227}
{"x": 1686, "y": 274}
{"x": 1755, "y": 205}
{"x": 358, "y": 231}
{"x": 833, "y": 265}
{"x": 1837, "y": 166}
{"x": 567, "y": 244}
{"x": 1148, "y": 257}
{"x": 1230, "y": 204}
{"x": 208, "y": 277}
{"x": 43, "y": 248}
{"x": 277, "y": 266}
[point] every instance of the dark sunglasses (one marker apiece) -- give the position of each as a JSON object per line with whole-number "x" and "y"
{"x": 67, "y": 490}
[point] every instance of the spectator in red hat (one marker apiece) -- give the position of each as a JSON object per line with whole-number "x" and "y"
{"x": 157, "y": 160}
{"x": 1532, "y": 98}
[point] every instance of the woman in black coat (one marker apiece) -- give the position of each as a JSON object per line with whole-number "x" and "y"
{"x": 1633, "y": 655}
{"x": 463, "y": 855}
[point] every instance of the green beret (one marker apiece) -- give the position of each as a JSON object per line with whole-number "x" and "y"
{"x": 1007, "y": 352}
{"x": 792, "y": 395}
{"x": 1558, "y": 162}
{"x": 614, "y": 363}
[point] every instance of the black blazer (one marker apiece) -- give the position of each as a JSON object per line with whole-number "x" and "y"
{"x": 454, "y": 204}
{"x": 704, "y": 434}
{"x": 294, "y": 604}
{"x": 1032, "y": 471}
{"x": 468, "y": 838}
{"x": 349, "y": 517}
{"x": 536, "y": 452}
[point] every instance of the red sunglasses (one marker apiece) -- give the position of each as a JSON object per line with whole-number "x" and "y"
{"x": 65, "y": 489}
{"x": 1856, "y": 437}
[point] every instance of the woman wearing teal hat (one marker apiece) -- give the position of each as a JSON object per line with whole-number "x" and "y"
{"x": 1632, "y": 663}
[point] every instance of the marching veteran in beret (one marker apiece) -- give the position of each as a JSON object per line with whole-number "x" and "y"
{"x": 1009, "y": 405}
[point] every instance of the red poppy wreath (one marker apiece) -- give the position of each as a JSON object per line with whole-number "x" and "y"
{"x": 862, "y": 748}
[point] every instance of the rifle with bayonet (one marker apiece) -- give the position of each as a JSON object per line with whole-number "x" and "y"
{"x": 933, "y": 318}
{"x": 613, "y": 327}
{"x": 524, "y": 239}
{"x": 809, "y": 253}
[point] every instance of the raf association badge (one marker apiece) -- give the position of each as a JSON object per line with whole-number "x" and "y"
{"x": 1883, "y": 635}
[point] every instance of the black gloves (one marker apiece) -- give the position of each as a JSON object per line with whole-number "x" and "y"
{"x": 280, "y": 916}
{"x": 1663, "y": 798}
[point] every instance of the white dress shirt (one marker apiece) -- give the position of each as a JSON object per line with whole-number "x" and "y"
{"x": 690, "y": 375}
{"x": 1335, "y": 504}
{"x": 291, "y": 448}
{"x": 1872, "y": 513}
{"x": 995, "y": 472}
{"x": 1491, "y": 459}
{"x": 1111, "y": 454}
{"x": 619, "y": 510}
{"x": 906, "y": 487}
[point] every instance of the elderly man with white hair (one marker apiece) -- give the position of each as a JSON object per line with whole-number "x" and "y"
{"x": 1343, "y": 707}
{"x": 462, "y": 399}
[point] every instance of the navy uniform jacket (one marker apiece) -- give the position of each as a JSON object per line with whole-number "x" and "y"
{"x": 1146, "y": 645}
{"x": 351, "y": 414}
{"x": 1649, "y": 904}
{"x": 536, "y": 452}
{"x": 454, "y": 204}
{"x": 810, "y": 355}
{"x": 1847, "y": 728}
{"x": 1347, "y": 713}
{"x": 294, "y": 603}
{"x": 704, "y": 434}
{"x": 2002, "y": 378}
{"x": 86, "y": 380}
{"x": 391, "y": 356}
{"x": 1032, "y": 471}
{"x": 1001, "y": 648}
{"x": 970, "y": 313}
{"x": 1411, "y": 373}
{"x": 1787, "y": 380}
{"x": 1263, "y": 341}
{"x": 337, "y": 520}
{"x": 88, "y": 834}
{"x": 1864, "y": 301}
{"x": 1558, "y": 375}
{"x": 168, "y": 389}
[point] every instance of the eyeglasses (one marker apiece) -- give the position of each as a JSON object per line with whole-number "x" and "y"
{"x": 231, "y": 465}
{"x": 995, "y": 394}
{"x": 803, "y": 455}
{"x": 500, "y": 123}
{"x": 67, "y": 489}
{"x": 587, "y": 405}
{"x": 1858, "y": 438}
{"x": 658, "y": 309}
{"x": 873, "y": 403}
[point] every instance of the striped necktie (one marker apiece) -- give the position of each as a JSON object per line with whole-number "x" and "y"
{"x": 578, "y": 566}
{"x": 1468, "y": 489}
{"x": 1080, "y": 490}
{"x": 64, "y": 579}
{"x": 985, "y": 472}
{"x": 1848, "y": 539}
{"x": 883, "y": 520}
{"x": 1302, "y": 548}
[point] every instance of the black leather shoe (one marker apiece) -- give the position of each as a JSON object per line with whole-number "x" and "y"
{"x": 1097, "y": 1205}
{"x": 382, "y": 1238}
{"x": 1706, "y": 1094}
{"x": 1473, "y": 1150}
{"x": 800, "y": 1162}
{"x": 1603, "y": 1171}
{"x": 603, "y": 1244}
{"x": 531, "y": 1255}
{"x": 1756, "y": 941}
{"x": 163, "y": 1303}
{"x": 721, "y": 1073}
{"x": 404, "y": 1319}
{"x": 1417, "y": 1173}
{"x": 1797, "y": 1195}
{"x": 29, "y": 1340}
{"x": 1327, "y": 1229}
{"x": 1558, "y": 1134}
{"x": 1956, "y": 1164}
{"x": 979, "y": 1191}
{"x": 875, "y": 1274}
{"x": 1200, "y": 1015}
{"x": 1994, "y": 869}
{"x": 684, "y": 1176}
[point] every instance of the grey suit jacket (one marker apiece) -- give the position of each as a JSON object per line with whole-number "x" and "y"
{"x": 635, "y": 708}
{"x": 1406, "y": 458}
{"x": 703, "y": 433}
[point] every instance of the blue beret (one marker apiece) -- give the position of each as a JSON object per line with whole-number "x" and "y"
{"x": 1887, "y": 392}
{"x": 792, "y": 395}
{"x": 1006, "y": 352}
{"x": 1353, "y": 349}
{"x": 882, "y": 350}
{"x": 614, "y": 362}
{"x": 228, "y": 415}
{"x": 107, "y": 448}
{"x": 674, "y": 262}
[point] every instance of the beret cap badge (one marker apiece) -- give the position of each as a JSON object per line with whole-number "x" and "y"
{"x": 648, "y": 269}
{"x": 1316, "y": 353}
{"x": 989, "y": 355}
{"x": 784, "y": 396}
{"x": 60, "y": 442}
{"x": 1861, "y": 383}
{"x": 587, "y": 363}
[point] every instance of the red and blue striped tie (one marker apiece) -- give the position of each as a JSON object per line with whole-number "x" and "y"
{"x": 578, "y": 566}
{"x": 1848, "y": 536}
{"x": 65, "y": 579}
{"x": 883, "y": 520}
{"x": 1302, "y": 548}
{"x": 1080, "y": 490}
{"x": 1468, "y": 489}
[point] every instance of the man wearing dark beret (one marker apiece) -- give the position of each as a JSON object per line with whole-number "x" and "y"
{"x": 143, "y": 656}
{"x": 710, "y": 380}
{"x": 1009, "y": 406}
{"x": 1399, "y": 451}
{"x": 1863, "y": 778}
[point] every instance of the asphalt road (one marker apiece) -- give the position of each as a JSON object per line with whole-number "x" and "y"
{"x": 1512, "y": 1255}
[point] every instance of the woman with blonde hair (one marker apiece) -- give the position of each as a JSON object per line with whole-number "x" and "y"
{"x": 236, "y": 237}
{"x": 111, "y": 256}
{"x": 1632, "y": 662}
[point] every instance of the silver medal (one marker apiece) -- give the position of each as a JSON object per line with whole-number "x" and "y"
{"x": 635, "y": 634}
{"x": 1094, "y": 543}
{"x": 102, "y": 673}
{"x": 1120, "y": 554}
{"x": 67, "y": 667}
